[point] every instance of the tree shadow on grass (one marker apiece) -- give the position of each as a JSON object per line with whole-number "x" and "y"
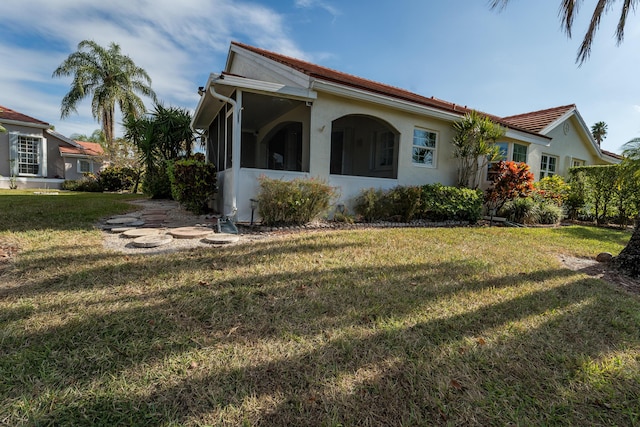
{"x": 390, "y": 376}
{"x": 358, "y": 360}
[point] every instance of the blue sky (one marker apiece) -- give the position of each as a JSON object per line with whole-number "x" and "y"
{"x": 503, "y": 63}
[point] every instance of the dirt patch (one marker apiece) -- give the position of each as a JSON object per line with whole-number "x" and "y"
{"x": 8, "y": 251}
{"x": 601, "y": 270}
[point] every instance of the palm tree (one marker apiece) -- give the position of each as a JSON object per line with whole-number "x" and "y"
{"x": 599, "y": 132}
{"x": 474, "y": 146}
{"x": 569, "y": 11}
{"x": 110, "y": 78}
{"x": 628, "y": 261}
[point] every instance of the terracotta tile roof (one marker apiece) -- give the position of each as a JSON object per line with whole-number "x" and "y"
{"x": 535, "y": 121}
{"x": 611, "y": 154}
{"x": 85, "y": 149}
{"x": 9, "y": 114}
{"x": 328, "y": 74}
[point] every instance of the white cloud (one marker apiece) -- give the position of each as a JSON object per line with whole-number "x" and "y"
{"x": 177, "y": 43}
{"x": 310, "y": 4}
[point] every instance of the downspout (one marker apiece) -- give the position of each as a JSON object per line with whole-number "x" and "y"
{"x": 235, "y": 144}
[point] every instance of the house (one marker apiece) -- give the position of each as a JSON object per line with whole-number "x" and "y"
{"x": 34, "y": 156}
{"x": 271, "y": 115}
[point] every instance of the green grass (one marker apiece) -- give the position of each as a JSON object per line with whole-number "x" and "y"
{"x": 460, "y": 326}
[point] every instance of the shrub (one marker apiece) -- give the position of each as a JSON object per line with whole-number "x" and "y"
{"x": 439, "y": 202}
{"x": 115, "y": 178}
{"x": 403, "y": 202}
{"x": 528, "y": 210}
{"x": 549, "y": 213}
{"x": 511, "y": 180}
{"x": 89, "y": 183}
{"x": 156, "y": 183}
{"x": 553, "y": 188}
{"x": 371, "y": 205}
{"x": 432, "y": 201}
{"x": 292, "y": 202}
{"x": 193, "y": 183}
{"x": 523, "y": 210}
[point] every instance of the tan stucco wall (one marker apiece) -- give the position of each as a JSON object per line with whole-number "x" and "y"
{"x": 572, "y": 145}
{"x": 328, "y": 108}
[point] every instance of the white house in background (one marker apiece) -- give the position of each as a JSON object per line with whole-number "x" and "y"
{"x": 272, "y": 115}
{"x": 34, "y": 156}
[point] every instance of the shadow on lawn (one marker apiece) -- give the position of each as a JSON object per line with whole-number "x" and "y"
{"x": 420, "y": 374}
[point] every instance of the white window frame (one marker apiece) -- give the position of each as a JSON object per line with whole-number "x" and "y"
{"x": 513, "y": 152}
{"x": 576, "y": 163}
{"x": 383, "y": 149}
{"x": 79, "y": 165}
{"x": 545, "y": 171}
{"x": 434, "y": 149}
{"x": 15, "y": 139}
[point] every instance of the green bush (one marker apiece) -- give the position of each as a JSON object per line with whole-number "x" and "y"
{"x": 441, "y": 203}
{"x": 404, "y": 202}
{"x": 523, "y": 210}
{"x": 193, "y": 183}
{"x": 549, "y": 213}
{"x": 529, "y": 210}
{"x": 116, "y": 178}
{"x": 372, "y": 205}
{"x": 433, "y": 202}
{"x": 292, "y": 202}
{"x": 156, "y": 183}
{"x": 89, "y": 183}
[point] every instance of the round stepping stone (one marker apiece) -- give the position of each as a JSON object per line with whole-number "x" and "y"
{"x": 118, "y": 230}
{"x": 221, "y": 238}
{"x": 122, "y": 220}
{"x": 139, "y": 232}
{"x": 190, "y": 232}
{"x": 151, "y": 241}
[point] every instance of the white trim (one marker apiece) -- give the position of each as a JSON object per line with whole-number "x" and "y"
{"x": 434, "y": 164}
{"x": 296, "y": 77}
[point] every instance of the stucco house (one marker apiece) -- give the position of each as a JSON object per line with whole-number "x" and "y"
{"x": 34, "y": 156}
{"x": 277, "y": 116}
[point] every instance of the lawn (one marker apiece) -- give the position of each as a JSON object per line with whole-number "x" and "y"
{"x": 459, "y": 326}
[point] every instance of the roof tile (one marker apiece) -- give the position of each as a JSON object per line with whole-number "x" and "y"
{"x": 9, "y": 114}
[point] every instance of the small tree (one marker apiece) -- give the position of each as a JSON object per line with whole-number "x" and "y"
{"x": 511, "y": 180}
{"x": 474, "y": 147}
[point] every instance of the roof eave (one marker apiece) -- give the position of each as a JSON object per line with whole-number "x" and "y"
{"x": 25, "y": 124}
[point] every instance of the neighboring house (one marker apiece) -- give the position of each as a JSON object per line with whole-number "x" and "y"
{"x": 83, "y": 157}
{"x": 32, "y": 155}
{"x": 271, "y": 115}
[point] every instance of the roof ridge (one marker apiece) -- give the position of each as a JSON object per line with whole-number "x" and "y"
{"x": 329, "y": 74}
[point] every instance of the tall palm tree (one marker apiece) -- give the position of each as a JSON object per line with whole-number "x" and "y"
{"x": 599, "y": 132}
{"x": 569, "y": 11}
{"x": 110, "y": 78}
{"x": 628, "y": 261}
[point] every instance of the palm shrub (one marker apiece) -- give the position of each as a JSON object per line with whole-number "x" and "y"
{"x": 193, "y": 183}
{"x": 293, "y": 202}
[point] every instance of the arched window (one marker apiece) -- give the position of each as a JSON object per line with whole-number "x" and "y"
{"x": 364, "y": 146}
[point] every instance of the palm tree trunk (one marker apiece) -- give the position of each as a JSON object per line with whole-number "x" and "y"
{"x": 628, "y": 262}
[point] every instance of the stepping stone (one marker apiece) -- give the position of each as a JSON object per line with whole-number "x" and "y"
{"x": 221, "y": 238}
{"x": 118, "y": 230}
{"x": 152, "y": 241}
{"x": 122, "y": 220}
{"x": 190, "y": 232}
{"x": 154, "y": 217}
{"x": 139, "y": 232}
